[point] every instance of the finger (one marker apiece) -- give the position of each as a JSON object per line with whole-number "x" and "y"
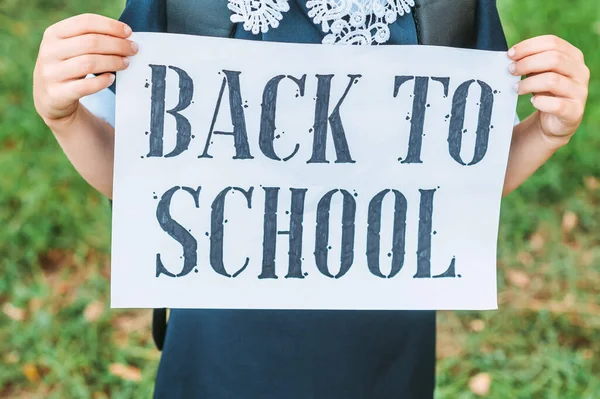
{"x": 569, "y": 111}
{"x": 88, "y": 23}
{"x": 93, "y": 44}
{"x": 549, "y": 61}
{"x": 554, "y": 83}
{"x": 540, "y": 44}
{"x": 84, "y": 65}
{"x": 74, "y": 90}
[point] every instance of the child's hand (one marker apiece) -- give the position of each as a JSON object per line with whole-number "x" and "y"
{"x": 70, "y": 50}
{"x": 558, "y": 78}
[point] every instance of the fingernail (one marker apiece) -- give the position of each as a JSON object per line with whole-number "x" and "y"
{"x": 134, "y": 47}
{"x": 517, "y": 87}
{"x": 111, "y": 78}
{"x": 126, "y": 61}
{"x": 127, "y": 30}
{"x": 511, "y": 52}
{"x": 532, "y": 99}
{"x": 512, "y": 67}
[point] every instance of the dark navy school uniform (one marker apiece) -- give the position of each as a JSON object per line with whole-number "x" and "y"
{"x": 270, "y": 354}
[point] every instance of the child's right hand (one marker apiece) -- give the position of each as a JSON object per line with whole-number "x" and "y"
{"x": 70, "y": 50}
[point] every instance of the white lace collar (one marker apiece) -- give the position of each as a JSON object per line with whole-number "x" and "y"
{"x": 344, "y": 21}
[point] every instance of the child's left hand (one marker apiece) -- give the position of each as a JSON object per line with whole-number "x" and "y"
{"x": 558, "y": 78}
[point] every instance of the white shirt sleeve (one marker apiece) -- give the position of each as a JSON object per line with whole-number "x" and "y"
{"x": 101, "y": 104}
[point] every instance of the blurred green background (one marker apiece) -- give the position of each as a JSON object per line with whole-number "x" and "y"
{"x": 58, "y": 338}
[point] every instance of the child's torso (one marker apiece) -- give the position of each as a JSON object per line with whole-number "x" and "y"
{"x": 306, "y": 354}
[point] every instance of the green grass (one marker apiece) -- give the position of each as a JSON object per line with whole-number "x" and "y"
{"x": 54, "y": 241}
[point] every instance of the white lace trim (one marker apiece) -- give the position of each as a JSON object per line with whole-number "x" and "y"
{"x": 362, "y": 22}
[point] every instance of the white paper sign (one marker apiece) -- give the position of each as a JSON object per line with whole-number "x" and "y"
{"x": 294, "y": 176}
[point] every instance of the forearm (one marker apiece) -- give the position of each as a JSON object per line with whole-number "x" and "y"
{"x": 529, "y": 150}
{"x": 88, "y": 143}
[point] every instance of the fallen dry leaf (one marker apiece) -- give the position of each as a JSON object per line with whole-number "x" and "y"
{"x": 13, "y": 312}
{"x": 587, "y": 258}
{"x": 61, "y": 288}
{"x": 135, "y": 321}
{"x": 569, "y": 300}
{"x": 125, "y": 372}
{"x": 518, "y": 278}
{"x": 477, "y": 325}
{"x": 55, "y": 260}
{"x": 140, "y": 320}
{"x": 11, "y": 358}
{"x": 537, "y": 241}
{"x": 569, "y": 222}
{"x": 480, "y": 384}
{"x": 525, "y": 258}
{"x": 34, "y": 305}
{"x": 590, "y": 181}
{"x": 93, "y": 311}
{"x": 31, "y": 373}
{"x": 452, "y": 337}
